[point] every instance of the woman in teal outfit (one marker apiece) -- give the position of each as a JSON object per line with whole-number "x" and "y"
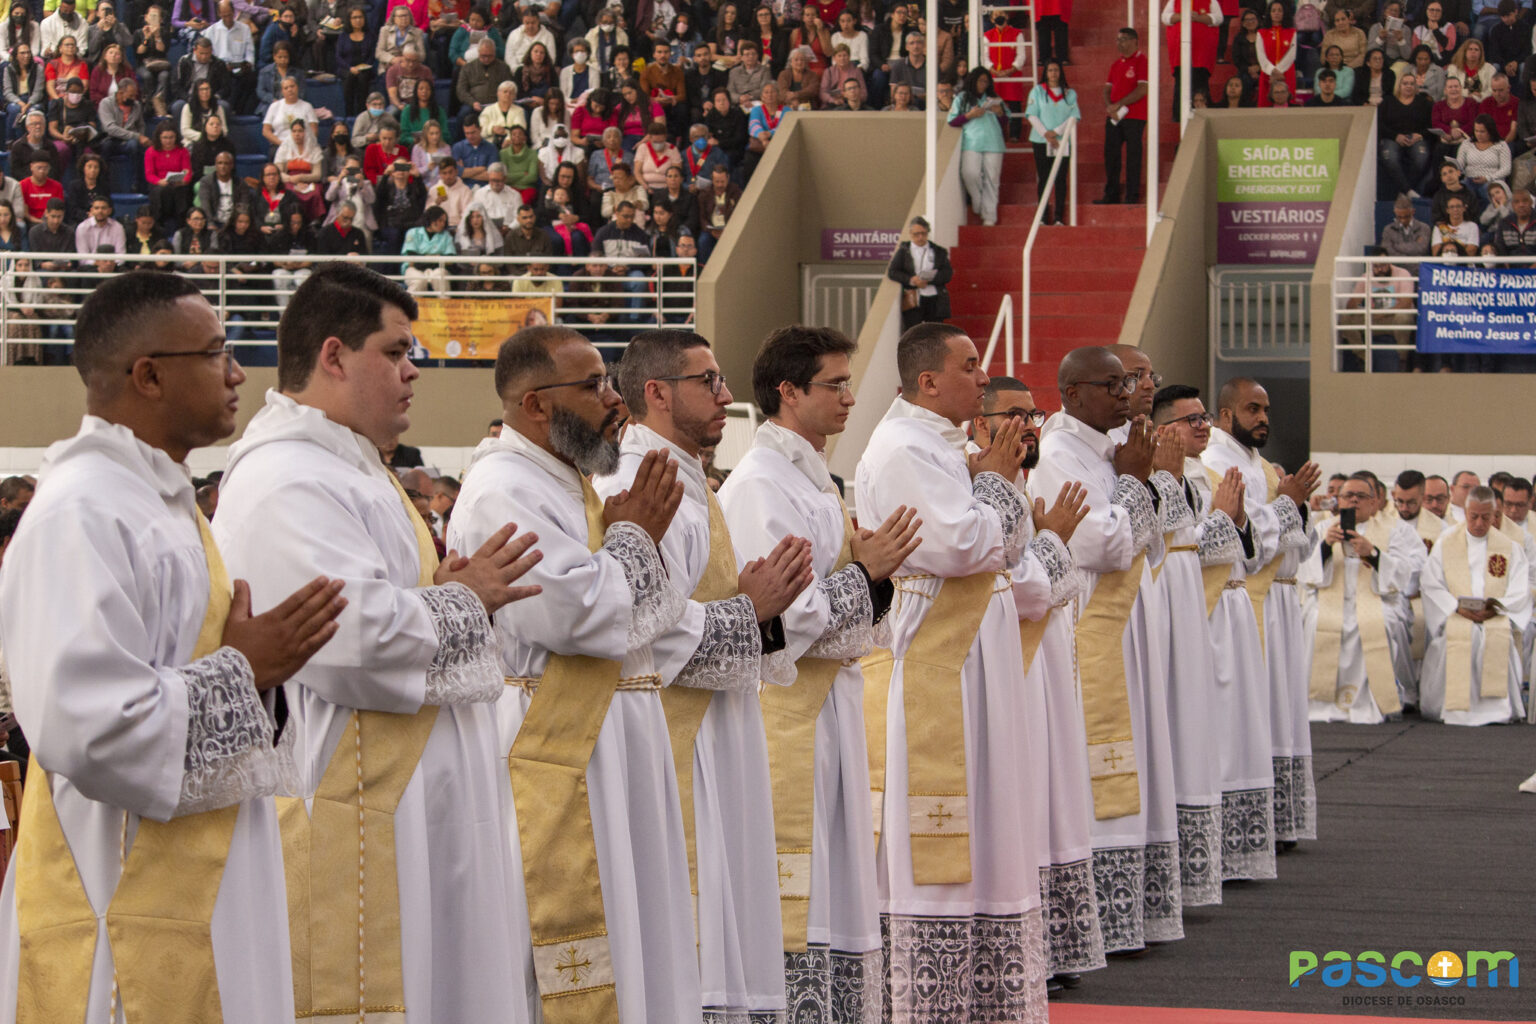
{"x": 1051, "y": 112}
{"x": 979, "y": 114}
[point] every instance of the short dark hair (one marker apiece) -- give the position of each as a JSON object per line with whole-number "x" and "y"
{"x": 793, "y": 354}
{"x": 651, "y": 355}
{"x": 525, "y": 353}
{"x": 1408, "y": 479}
{"x": 1499, "y": 478}
{"x": 112, "y": 316}
{"x": 1437, "y": 476}
{"x": 1338, "y": 476}
{"x": 923, "y": 349}
{"x": 1517, "y": 483}
{"x": 1461, "y": 473}
{"x": 1000, "y": 383}
{"x": 340, "y": 300}
{"x": 13, "y": 487}
{"x": 1128, "y": 31}
{"x": 1327, "y": 73}
{"x": 9, "y": 520}
{"x": 1170, "y": 393}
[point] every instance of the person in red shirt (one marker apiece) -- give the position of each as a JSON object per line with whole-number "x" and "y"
{"x": 379, "y": 157}
{"x": 1502, "y": 106}
{"x": 38, "y": 188}
{"x": 1205, "y": 19}
{"x": 1051, "y": 19}
{"x": 1125, "y": 95}
{"x": 1005, "y": 59}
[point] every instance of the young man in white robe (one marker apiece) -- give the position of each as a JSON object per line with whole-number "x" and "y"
{"x": 1461, "y": 485}
{"x": 711, "y": 662}
{"x": 398, "y": 754}
{"x": 1409, "y": 501}
{"x": 1472, "y": 665}
{"x": 1277, "y": 508}
{"x": 833, "y": 963}
{"x": 605, "y": 596}
{"x": 1121, "y": 633}
{"x": 1514, "y": 520}
{"x": 1239, "y": 717}
{"x": 1045, "y": 580}
{"x": 150, "y": 696}
{"x": 959, "y": 879}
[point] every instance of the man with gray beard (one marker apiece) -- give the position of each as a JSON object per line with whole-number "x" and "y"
{"x": 590, "y": 797}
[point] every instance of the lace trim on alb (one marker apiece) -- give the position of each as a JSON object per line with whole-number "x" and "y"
{"x": 824, "y": 984}
{"x": 1059, "y": 565}
{"x": 1174, "y": 505}
{"x": 850, "y": 627}
{"x": 1003, "y": 498}
{"x": 1293, "y": 529}
{"x": 1071, "y": 914}
{"x": 657, "y": 605}
{"x": 465, "y": 669}
{"x": 230, "y": 757}
{"x": 1218, "y": 540}
{"x": 730, "y": 651}
{"x": 1200, "y": 853}
{"x": 1131, "y": 495}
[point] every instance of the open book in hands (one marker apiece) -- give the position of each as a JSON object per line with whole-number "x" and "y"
{"x": 1480, "y": 604}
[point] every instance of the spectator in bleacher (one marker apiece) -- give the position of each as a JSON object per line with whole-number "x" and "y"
{"x": 22, "y": 87}
{"x": 624, "y": 189}
{"x": 1391, "y": 35}
{"x": 1509, "y": 40}
{"x": 1502, "y": 106}
{"x": 420, "y": 108}
{"x": 1451, "y": 184}
{"x": 634, "y": 112}
{"x": 1343, "y": 74}
{"x": 89, "y": 184}
{"x": 480, "y": 79}
{"x": 473, "y": 154}
{"x": 747, "y": 78}
{"x": 681, "y": 35}
{"x": 232, "y": 44}
{"x": 429, "y": 238}
{"x": 214, "y": 141}
{"x": 663, "y": 231}
{"x": 191, "y": 18}
{"x": 122, "y": 123}
{"x": 1476, "y": 74}
{"x": 429, "y": 149}
{"x": 269, "y": 80}
{"x": 365, "y": 129}
{"x": 591, "y": 120}
{"x": 1431, "y": 76}
{"x": 798, "y": 84}
{"x": 1280, "y": 94}
{"x": 1499, "y": 206}
{"x": 729, "y": 34}
{"x": 100, "y": 229}
{"x": 240, "y": 238}
{"x": 283, "y": 29}
{"x": 477, "y": 236}
{"x": 536, "y": 78}
{"x": 382, "y": 155}
{"x": 850, "y": 34}
{"x": 1389, "y": 288}
{"x": 35, "y": 141}
{"x": 1125, "y": 91}
{"x": 151, "y": 48}
{"x": 201, "y": 64}
{"x": 1450, "y": 120}
{"x": 400, "y": 200}
{"x": 1405, "y": 235}
{"x": 72, "y": 121}
{"x": 1245, "y": 49}
{"x": 273, "y": 202}
{"x": 65, "y": 66}
{"x": 465, "y": 45}
{"x": 656, "y": 154}
{"x": 677, "y": 195}
{"x": 842, "y": 69}
{"x": 1276, "y": 50}
{"x": 601, "y": 162}
{"x": 197, "y": 110}
{"x": 1375, "y": 83}
{"x": 912, "y": 70}
{"x": 1325, "y": 90}
{"x": 1051, "y": 112}
{"x": 814, "y": 34}
{"x": 556, "y": 150}
{"x": 772, "y": 41}
{"x": 220, "y": 192}
{"x": 1351, "y": 40}
{"x": 578, "y": 77}
{"x": 301, "y": 165}
{"x": 18, "y": 29}
{"x": 498, "y": 119}
{"x": 548, "y": 117}
{"x": 106, "y": 29}
{"x": 399, "y": 32}
{"x": 352, "y": 187}
{"x": 1515, "y": 235}
{"x": 499, "y": 202}
{"x": 326, "y": 23}
{"x": 1234, "y": 95}
{"x": 1456, "y": 235}
{"x": 521, "y": 162}
{"x": 854, "y": 97}
{"x": 888, "y": 44}
{"x": 1437, "y": 32}
{"x": 1484, "y": 157}
{"x": 355, "y": 61}
{"x": 569, "y": 230}
{"x": 111, "y": 69}
{"x": 716, "y": 203}
{"x": 665, "y": 83}
{"x": 521, "y": 40}
{"x": 143, "y": 235}
{"x": 295, "y": 239}
{"x": 449, "y": 192}
{"x": 61, "y": 24}
{"x": 1403, "y": 131}
{"x": 194, "y": 237}
{"x": 403, "y": 74}
{"x": 702, "y": 80}
{"x": 286, "y": 110}
{"x": 1204, "y": 29}
{"x": 524, "y": 237}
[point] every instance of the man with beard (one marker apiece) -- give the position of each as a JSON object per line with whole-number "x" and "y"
{"x": 604, "y": 866}
{"x": 1045, "y": 580}
{"x": 818, "y": 762}
{"x": 1410, "y": 501}
{"x": 1277, "y": 507}
{"x": 1238, "y": 719}
{"x": 711, "y": 662}
{"x": 959, "y": 880}
{"x": 1121, "y": 633}
{"x": 1437, "y": 498}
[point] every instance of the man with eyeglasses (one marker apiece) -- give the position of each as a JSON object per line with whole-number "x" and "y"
{"x": 1237, "y": 721}
{"x": 151, "y": 693}
{"x": 582, "y": 687}
{"x": 1276, "y": 505}
{"x": 403, "y": 700}
{"x": 959, "y": 877}
{"x": 1122, "y": 662}
{"x": 818, "y": 762}
{"x": 1408, "y": 502}
{"x": 711, "y": 661}
{"x": 1514, "y": 520}
{"x": 1045, "y": 579}
{"x": 1461, "y": 485}
{"x": 1437, "y": 498}
{"x": 1476, "y": 595}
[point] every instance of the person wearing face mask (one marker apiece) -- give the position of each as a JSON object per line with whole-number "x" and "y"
{"x": 365, "y": 129}
{"x": 605, "y": 37}
{"x": 654, "y": 155}
{"x": 71, "y": 120}
{"x": 555, "y": 151}
{"x": 578, "y": 77}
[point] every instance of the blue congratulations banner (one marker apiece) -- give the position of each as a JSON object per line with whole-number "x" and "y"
{"x": 1466, "y": 309}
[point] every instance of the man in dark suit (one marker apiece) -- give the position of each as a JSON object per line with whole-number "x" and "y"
{"x": 922, "y": 269}
{"x": 717, "y": 201}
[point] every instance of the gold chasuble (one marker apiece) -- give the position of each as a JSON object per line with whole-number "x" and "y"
{"x": 685, "y": 705}
{"x": 548, "y": 766}
{"x": 339, "y": 857}
{"x": 159, "y": 919}
{"x": 1497, "y": 636}
{"x": 789, "y": 718}
{"x": 1100, "y": 655}
{"x": 1260, "y": 582}
{"x": 1369, "y": 619}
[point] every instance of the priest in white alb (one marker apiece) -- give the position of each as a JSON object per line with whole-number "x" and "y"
{"x": 1515, "y": 521}
{"x": 147, "y": 882}
{"x": 729, "y": 639}
{"x": 606, "y": 896}
{"x": 1477, "y": 600}
{"x": 959, "y": 877}
{"x": 817, "y": 754}
{"x": 400, "y": 827}
{"x": 1409, "y": 493}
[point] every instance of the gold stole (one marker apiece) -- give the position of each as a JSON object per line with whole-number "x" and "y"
{"x": 159, "y": 918}
{"x": 339, "y": 857}
{"x": 1372, "y": 625}
{"x": 684, "y": 705}
{"x": 1260, "y": 582}
{"x": 1429, "y": 527}
{"x": 789, "y": 718}
{"x": 1214, "y": 578}
{"x": 1099, "y": 652}
{"x": 1497, "y": 636}
{"x": 548, "y": 766}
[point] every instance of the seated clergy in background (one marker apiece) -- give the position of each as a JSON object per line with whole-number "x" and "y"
{"x": 1472, "y": 665}
{"x": 1514, "y": 521}
{"x": 1413, "y": 508}
{"x": 1357, "y": 628}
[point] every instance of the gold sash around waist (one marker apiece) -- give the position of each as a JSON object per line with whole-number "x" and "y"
{"x": 1100, "y": 657}
{"x": 161, "y": 911}
{"x": 1459, "y": 632}
{"x": 648, "y": 683}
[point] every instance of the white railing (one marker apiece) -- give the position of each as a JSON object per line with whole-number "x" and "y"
{"x": 1154, "y": 79}
{"x": 981, "y": 15}
{"x": 40, "y": 293}
{"x": 1002, "y": 327}
{"x": 837, "y": 299}
{"x": 1259, "y": 315}
{"x": 1069, "y": 146}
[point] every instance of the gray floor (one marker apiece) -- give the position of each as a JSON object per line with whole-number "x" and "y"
{"x": 1425, "y": 845}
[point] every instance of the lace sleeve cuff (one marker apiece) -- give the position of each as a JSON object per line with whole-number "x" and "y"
{"x": 1059, "y": 566}
{"x": 230, "y": 755}
{"x": 730, "y": 652}
{"x": 465, "y": 669}
{"x": 1171, "y": 501}
{"x": 1132, "y": 496}
{"x": 1293, "y": 529}
{"x": 849, "y": 627}
{"x": 1004, "y": 499}
{"x": 1219, "y": 541}
{"x": 656, "y": 603}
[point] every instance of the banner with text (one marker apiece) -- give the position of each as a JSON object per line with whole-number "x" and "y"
{"x": 869, "y": 244}
{"x": 1272, "y": 198}
{"x": 474, "y": 328}
{"x": 1476, "y": 309}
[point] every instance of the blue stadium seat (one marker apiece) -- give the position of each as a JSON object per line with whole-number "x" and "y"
{"x": 249, "y": 165}
{"x": 5, "y": 161}
{"x": 122, "y": 175}
{"x": 176, "y": 51}
{"x": 443, "y": 89}
{"x": 323, "y": 133}
{"x": 126, "y": 204}
{"x": 246, "y": 135}
{"x": 326, "y": 94}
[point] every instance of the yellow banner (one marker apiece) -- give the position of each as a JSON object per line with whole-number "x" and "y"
{"x": 465, "y": 328}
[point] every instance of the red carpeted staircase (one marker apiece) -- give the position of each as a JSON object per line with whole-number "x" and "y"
{"x": 1083, "y": 276}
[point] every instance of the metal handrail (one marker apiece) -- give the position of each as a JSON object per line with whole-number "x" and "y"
{"x": 1002, "y": 325}
{"x": 1070, "y": 143}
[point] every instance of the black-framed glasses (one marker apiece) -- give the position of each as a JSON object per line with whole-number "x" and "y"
{"x": 842, "y": 387}
{"x": 1141, "y": 375}
{"x": 1119, "y": 386}
{"x": 1195, "y": 419}
{"x": 598, "y": 384}
{"x": 1035, "y": 417}
{"x": 711, "y": 378}
{"x": 223, "y": 351}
